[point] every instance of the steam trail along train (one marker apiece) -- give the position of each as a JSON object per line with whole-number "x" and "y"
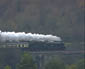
{"x": 30, "y": 42}
{"x": 35, "y": 45}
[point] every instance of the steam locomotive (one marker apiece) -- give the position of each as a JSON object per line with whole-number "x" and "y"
{"x": 45, "y": 46}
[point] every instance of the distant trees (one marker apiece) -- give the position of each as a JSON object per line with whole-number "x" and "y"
{"x": 58, "y": 64}
{"x": 26, "y": 62}
{"x": 55, "y": 64}
{"x": 81, "y": 64}
{"x": 9, "y": 57}
{"x": 7, "y": 67}
{"x": 72, "y": 66}
{"x": 64, "y": 18}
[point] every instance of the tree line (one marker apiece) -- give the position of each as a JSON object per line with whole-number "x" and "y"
{"x": 27, "y": 62}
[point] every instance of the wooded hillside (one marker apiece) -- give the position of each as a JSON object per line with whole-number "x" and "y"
{"x": 64, "y": 18}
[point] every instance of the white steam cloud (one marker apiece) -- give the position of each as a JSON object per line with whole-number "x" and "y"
{"x": 22, "y": 36}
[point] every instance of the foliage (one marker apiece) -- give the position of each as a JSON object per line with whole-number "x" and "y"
{"x": 81, "y": 64}
{"x": 55, "y": 64}
{"x": 26, "y": 62}
{"x": 72, "y": 66}
{"x": 9, "y": 56}
{"x": 7, "y": 67}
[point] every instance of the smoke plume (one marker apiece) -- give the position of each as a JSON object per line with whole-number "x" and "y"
{"x": 22, "y": 36}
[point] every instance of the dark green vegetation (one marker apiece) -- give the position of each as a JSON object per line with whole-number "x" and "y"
{"x": 27, "y": 62}
{"x": 55, "y": 64}
{"x": 64, "y": 18}
{"x": 58, "y": 64}
{"x": 17, "y": 59}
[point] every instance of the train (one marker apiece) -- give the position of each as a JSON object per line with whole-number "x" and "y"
{"x": 31, "y": 42}
{"x": 35, "y": 45}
